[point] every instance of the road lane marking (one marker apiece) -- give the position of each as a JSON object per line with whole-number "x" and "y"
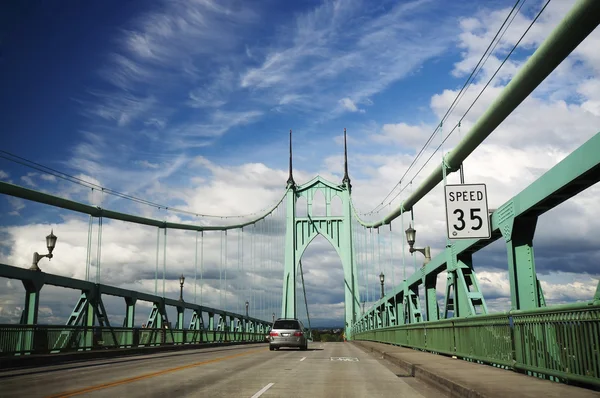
{"x": 261, "y": 392}
{"x": 103, "y": 386}
{"x": 303, "y": 358}
{"x": 345, "y": 359}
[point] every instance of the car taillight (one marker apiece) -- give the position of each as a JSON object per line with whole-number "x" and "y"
{"x": 298, "y": 334}
{"x": 273, "y": 334}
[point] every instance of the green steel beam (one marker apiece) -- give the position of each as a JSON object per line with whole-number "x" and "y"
{"x": 95, "y": 211}
{"x": 581, "y": 20}
{"x": 575, "y": 173}
{"x": 41, "y": 278}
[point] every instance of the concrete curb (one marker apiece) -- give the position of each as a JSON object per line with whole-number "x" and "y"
{"x": 417, "y": 371}
{"x": 25, "y": 361}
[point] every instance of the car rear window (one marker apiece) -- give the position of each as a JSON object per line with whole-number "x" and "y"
{"x": 286, "y": 325}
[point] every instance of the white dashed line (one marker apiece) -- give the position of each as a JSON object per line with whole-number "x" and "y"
{"x": 303, "y": 358}
{"x": 261, "y": 392}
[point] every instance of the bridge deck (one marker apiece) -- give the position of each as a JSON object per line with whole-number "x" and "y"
{"x": 325, "y": 370}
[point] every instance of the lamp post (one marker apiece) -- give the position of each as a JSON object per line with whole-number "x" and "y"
{"x": 181, "y": 280}
{"x": 247, "y": 304}
{"x": 273, "y": 317}
{"x": 411, "y": 234}
{"x": 382, "y": 280}
{"x": 363, "y": 305}
{"x": 50, "y": 243}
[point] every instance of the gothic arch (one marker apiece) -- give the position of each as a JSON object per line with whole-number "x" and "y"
{"x": 336, "y": 229}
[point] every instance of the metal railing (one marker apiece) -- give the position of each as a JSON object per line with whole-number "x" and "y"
{"x": 561, "y": 343}
{"x": 46, "y": 339}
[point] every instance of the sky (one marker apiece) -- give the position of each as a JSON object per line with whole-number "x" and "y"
{"x": 188, "y": 104}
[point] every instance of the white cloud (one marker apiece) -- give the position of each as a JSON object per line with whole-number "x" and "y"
{"x": 48, "y": 177}
{"x": 349, "y": 105}
{"x": 4, "y": 175}
{"x": 28, "y": 180}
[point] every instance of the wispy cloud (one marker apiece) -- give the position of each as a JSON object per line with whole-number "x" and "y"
{"x": 339, "y": 51}
{"x": 215, "y": 93}
{"x": 160, "y": 55}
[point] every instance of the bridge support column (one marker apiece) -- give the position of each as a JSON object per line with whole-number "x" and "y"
{"x": 288, "y": 303}
{"x": 129, "y": 320}
{"x": 412, "y": 305}
{"x": 463, "y": 296}
{"x": 211, "y": 336}
{"x": 400, "y": 316}
{"x": 158, "y": 320}
{"x": 431, "y": 305}
{"x": 197, "y": 325}
{"x": 32, "y": 300}
{"x": 525, "y": 289}
{"x": 179, "y": 327}
{"x": 26, "y": 340}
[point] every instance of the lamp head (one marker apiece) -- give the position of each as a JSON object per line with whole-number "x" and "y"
{"x": 381, "y": 277}
{"x": 411, "y": 235}
{"x": 51, "y": 241}
{"x": 181, "y": 279}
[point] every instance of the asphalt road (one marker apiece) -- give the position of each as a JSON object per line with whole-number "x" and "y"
{"x": 325, "y": 370}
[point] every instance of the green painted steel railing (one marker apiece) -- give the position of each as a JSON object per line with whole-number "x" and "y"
{"x": 561, "y": 342}
{"x": 45, "y": 339}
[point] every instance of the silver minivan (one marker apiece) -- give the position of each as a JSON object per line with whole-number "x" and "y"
{"x": 288, "y": 333}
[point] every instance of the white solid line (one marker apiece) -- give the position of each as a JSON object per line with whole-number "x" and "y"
{"x": 261, "y": 392}
{"x": 303, "y": 358}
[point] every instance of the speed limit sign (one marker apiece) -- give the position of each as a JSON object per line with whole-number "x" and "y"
{"x": 467, "y": 211}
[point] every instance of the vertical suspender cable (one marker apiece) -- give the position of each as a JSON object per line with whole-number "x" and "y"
{"x": 156, "y": 269}
{"x": 252, "y": 255}
{"x": 99, "y": 250}
{"x": 392, "y": 258}
{"x": 225, "y": 307}
{"x": 381, "y": 268}
{"x": 201, "y": 265}
{"x": 88, "y": 261}
{"x": 239, "y": 287}
{"x": 164, "y": 261}
{"x": 196, "y": 269}
{"x": 412, "y": 217}
{"x": 403, "y": 252}
{"x": 243, "y": 273}
{"x": 221, "y": 274}
{"x": 366, "y": 264}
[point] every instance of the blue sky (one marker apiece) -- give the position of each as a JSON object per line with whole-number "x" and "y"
{"x": 149, "y": 80}
{"x": 189, "y": 104}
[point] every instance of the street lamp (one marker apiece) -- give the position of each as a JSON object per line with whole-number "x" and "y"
{"x": 273, "y": 317}
{"x": 363, "y": 305}
{"x": 382, "y": 280}
{"x": 247, "y": 304}
{"x": 50, "y": 243}
{"x": 181, "y": 280}
{"x": 410, "y": 238}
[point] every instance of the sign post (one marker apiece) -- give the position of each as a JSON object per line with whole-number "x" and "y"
{"x": 467, "y": 211}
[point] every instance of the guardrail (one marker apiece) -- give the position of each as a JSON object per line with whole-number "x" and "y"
{"x": 47, "y": 339}
{"x": 561, "y": 343}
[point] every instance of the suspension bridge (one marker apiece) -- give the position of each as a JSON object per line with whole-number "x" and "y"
{"x": 256, "y": 265}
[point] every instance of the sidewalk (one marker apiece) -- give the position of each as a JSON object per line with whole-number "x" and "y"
{"x": 460, "y": 378}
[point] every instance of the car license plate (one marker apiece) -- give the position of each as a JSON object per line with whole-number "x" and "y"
{"x": 285, "y": 334}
